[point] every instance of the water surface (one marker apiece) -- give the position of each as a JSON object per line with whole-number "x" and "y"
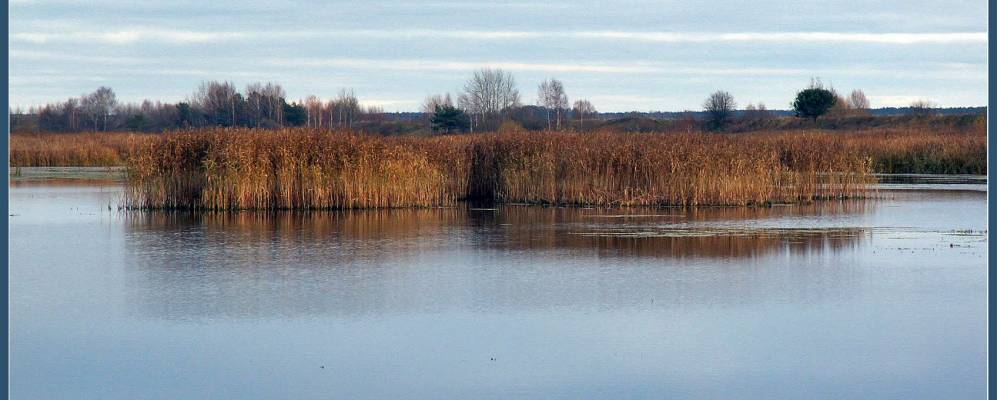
{"x": 853, "y": 299}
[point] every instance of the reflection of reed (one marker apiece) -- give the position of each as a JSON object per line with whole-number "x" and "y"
{"x": 386, "y": 233}
{"x": 675, "y": 232}
{"x": 205, "y": 265}
{"x": 305, "y": 225}
{"x": 745, "y": 244}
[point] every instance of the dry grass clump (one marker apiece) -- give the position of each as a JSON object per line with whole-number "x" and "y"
{"x": 287, "y": 169}
{"x": 651, "y": 169}
{"x": 73, "y": 149}
{"x": 309, "y": 169}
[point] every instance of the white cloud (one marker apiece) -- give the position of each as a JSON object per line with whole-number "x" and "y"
{"x": 277, "y": 66}
{"x": 438, "y": 65}
{"x": 140, "y": 35}
{"x": 896, "y": 100}
{"x": 807, "y": 37}
{"x": 946, "y": 71}
{"x": 130, "y": 36}
{"x": 33, "y": 55}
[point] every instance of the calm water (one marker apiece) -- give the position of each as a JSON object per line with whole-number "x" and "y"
{"x": 858, "y": 299}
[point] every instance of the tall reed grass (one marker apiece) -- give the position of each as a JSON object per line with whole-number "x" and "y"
{"x": 224, "y": 169}
{"x": 302, "y": 169}
{"x": 944, "y": 152}
{"x": 73, "y": 149}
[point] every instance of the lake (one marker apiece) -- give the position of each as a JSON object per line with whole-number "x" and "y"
{"x": 882, "y": 298}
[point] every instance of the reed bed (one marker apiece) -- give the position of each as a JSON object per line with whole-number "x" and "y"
{"x": 74, "y": 149}
{"x": 229, "y": 169}
{"x": 288, "y": 169}
{"x": 944, "y": 152}
{"x": 308, "y": 169}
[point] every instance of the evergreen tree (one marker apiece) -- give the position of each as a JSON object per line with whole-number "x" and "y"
{"x": 449, "y": 119}
{"x": 814, "y": 101}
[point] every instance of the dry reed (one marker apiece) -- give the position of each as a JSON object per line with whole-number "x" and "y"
{"x": 301, "y": 169}
{"x": 73, "y": 149}
{"x": 226, "y": 169}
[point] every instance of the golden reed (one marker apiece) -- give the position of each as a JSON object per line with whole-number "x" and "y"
{"x": 225, "y": 169}
{"x": 308, "y": 169}
{"x": 103, "y": 149}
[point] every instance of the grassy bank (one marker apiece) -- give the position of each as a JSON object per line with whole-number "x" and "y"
{"x": 298, "y": 169}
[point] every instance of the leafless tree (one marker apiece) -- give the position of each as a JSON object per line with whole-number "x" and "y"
{"x": 265, "y": 102}
{"x": 71, "y": 109}
{"x": 551, "y": 95}
{"x": 273, "y": 96}
{"x": 922, "y": 108}
{"x": 346, "y": 108}
{"x": 98, "y": 106}
{"x": 372, "y": 113}
{"x": 581, "y": 109}
{"x": 254, "y": 100}
{"x": 757, "y": 113}
{"x": 719, "y": 109}
{"x": 313, "y": 106}
{"x": 218, "y": 100}
{"x": 437, "y": 100}
{"x": 487, "y": 94}
{"x": 858, "y": 101}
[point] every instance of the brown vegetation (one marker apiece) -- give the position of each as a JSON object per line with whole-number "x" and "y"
{"x": 73, "y": 150}
{"x": 320, "y": 169}
{"x": 302, "y": 169}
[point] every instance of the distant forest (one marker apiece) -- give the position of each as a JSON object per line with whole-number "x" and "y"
{"x": 488, "y": 102}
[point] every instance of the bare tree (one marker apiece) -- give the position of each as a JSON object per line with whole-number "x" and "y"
{"x": 437, "y": 100}
{"x": 254, "y": 100}
{"x": 757, "y": 113}
{"x": 841, "y": 106}
{"x": 581, "y": 109}
{"x": 218, "y": 100}
{"x": 922, "y": 108}
{"x": 858, "y": 101}
{"x": 313, "y": 107}
{"x": 550, "y": 94}
{"x": 719, "y": 109}
{"x": 265, "y": 103}
{"x": 98, "y": 106}
{"x": 372, "y": 113}
{"x": 487, "y": 94}
{"x": 346, "y": 108}
{"x": 273, "y": 96}
{"x": 71, "y": 109}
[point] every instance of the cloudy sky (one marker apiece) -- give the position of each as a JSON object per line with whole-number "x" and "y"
{"x": 621, "y": 55}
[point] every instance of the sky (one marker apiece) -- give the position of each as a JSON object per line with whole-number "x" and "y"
{"x": 621, "y": 55}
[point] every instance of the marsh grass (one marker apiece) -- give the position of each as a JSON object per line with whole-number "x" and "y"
{"x": 307, "y": 169}
{"x": 229, "y": 169}
{"x": 74, "y": 149}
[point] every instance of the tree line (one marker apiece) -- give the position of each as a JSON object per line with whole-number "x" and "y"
{"x": 487, "y": 101}
{"x": 213, "y": 104}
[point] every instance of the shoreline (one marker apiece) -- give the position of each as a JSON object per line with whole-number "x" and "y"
{"x": 67, "y": 174}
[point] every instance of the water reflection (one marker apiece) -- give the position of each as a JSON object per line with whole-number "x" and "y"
{"x": 671, "y": 233}
{"x": 211, "y": 265}
{"x": 878, "y": 299}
